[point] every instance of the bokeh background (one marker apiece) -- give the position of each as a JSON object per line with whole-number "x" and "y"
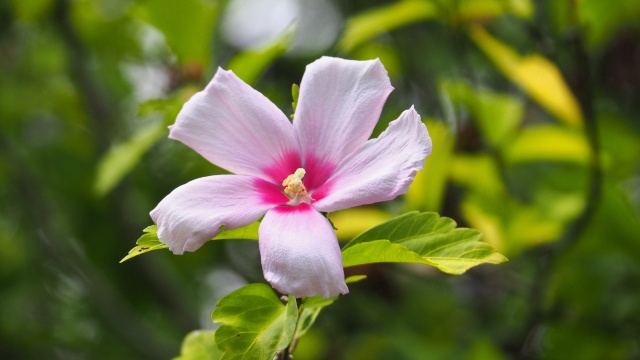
{"x": 532, "y": 106}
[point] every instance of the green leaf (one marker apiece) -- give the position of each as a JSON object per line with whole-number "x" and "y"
{"x": 309, "y": 311}
{"x": 255, "y": 324}
{"x": 149, "y": 241}
{"x": 600, "y": 22}
{"x": 496, "y": 115}
{"x": 249, "y": 232}
{"x": 295, "y": 92}
{"x": 250, "y": 64}
{"x": 424, "y": 238}
{"x": 123, "y": 157}
{"x": 30, "y": 11}
{"x": 380, "y": 251}
{"x": 188, "y": 26}
{"x": 199, "y": 345}
{"x": 168, "y": 107}
{"x": 369, "y": 24}
{"x": 365, "y": 26}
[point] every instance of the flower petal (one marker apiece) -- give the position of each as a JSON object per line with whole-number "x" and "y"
{"x": 381, "y": 169}
{"x": 237, "y": 128}
{"x": 193, "y": 213}
{"x": 300, "y": 252}
{"x": 339, "y": 105}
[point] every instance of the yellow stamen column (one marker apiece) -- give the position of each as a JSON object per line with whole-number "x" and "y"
{"x": 293, "y": 185}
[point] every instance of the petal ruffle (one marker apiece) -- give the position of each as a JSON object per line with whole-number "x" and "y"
{"x": 300, "y": 252}
{"x": 193, "y": 213}
{"x": 381, "y": 169}
{"x": 237, "y": 128}
{"x": 339, "y": 105}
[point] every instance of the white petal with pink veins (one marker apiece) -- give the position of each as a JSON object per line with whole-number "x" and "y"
{"x": 300, "y": 252}
{"x": 381, "y": 169}
{"x": 339, "y": 105}
{"x": 239, "y": 129}
{"x": 193, "y": 213}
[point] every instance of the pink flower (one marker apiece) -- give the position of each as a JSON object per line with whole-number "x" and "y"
{"x": 290, "y": 173}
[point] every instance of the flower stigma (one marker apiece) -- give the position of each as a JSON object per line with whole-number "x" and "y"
{"x": 295, "y": 189}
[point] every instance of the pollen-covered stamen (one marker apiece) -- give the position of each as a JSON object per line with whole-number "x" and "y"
{"x": 293, "y": 186}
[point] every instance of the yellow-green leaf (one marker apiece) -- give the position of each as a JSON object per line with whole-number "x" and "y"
{"x": 512, "y": 226}
{"x": 548, "y": 143}
{"x": 250, "y": 64}
{"x": 427, "y": 190}
{"x": 535, "y": 74}
{"x": 149, "y": 241}
{"x": 354, "y": 279}
{"x": 123, "y": 157}
{"x": 477, "y": 172}
{"x": 424, "y": 238}
{"x": 367, "y": 25}
{"x": 470, "y": 10}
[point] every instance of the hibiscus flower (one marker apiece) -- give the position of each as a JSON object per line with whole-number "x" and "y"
{"x": 291, "y": 173}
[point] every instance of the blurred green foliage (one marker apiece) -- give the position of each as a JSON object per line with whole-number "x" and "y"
{"x": 532, "y": 107}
